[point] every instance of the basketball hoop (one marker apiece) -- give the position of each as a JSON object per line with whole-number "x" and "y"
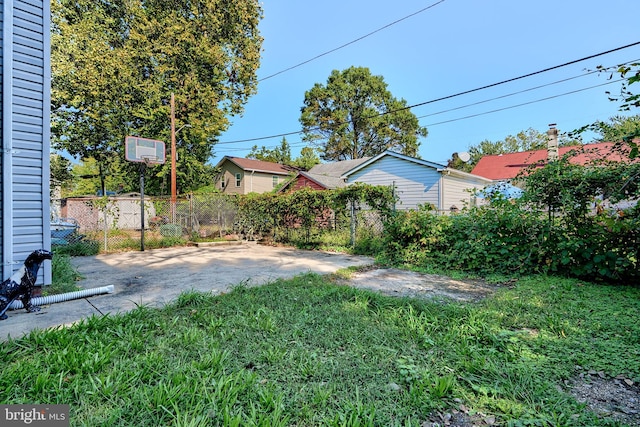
{"x": 150, "y": 160}
{"x": 142, "y": 150}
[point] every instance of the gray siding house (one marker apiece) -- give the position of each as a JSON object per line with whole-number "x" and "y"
{"x": 25, "y": 109}
{"x": 418, "y": 181}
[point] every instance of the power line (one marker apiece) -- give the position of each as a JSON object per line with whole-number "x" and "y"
{"x": 459, "y": 93}
{"x": 525, "y": 103}
{"x": 351, "y": 42}
{"x": 515, "y": 93}
{"x": 555, "y": 67}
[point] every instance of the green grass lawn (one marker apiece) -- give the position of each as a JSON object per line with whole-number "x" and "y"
{"x": 307, "y": 352}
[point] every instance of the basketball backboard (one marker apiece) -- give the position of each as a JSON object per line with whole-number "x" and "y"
{"x": 145, "y": 150}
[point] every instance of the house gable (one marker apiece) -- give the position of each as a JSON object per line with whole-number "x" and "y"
{"x": 314, "y": 181}
{"x": 416, "y": 183}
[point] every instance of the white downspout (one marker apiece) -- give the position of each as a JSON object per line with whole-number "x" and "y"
{"x": 441, "y": 194}
{"x": 7, "y": 140}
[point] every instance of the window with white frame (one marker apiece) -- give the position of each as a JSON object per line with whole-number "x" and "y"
{"x": 238, "y": 179}
{"x": 274, "y": 180}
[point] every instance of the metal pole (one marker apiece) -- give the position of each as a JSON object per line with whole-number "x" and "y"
{"x": 142, "y": 169}
{"x": 174, "y": 185}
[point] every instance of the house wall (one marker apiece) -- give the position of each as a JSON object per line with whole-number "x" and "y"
{"x": 258, "y": 182}
{"x": 415, "y": 184}
{"x": 251, "y": 182}
{"x": 3, "y": 270}
{"x": 228, "y": 176}
{"x": 25, "y": 133}
{"x": 456, "y": 191}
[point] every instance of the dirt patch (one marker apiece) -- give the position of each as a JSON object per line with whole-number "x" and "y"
{"x": 615, "y": 398}
{"x": 402, "y": 283}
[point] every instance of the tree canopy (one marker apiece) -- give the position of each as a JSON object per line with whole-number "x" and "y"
{"x": 282, "y": 154}
{"x": 354, "y": 116}
{"x": 526, "y": 140}
{"x": 115, "y": 65}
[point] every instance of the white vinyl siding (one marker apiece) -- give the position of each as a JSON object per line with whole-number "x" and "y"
{"x": 4, "y": 269}
{"x": 25, "y": 133}
{"x": 456, "y": 191}
{"x": 415, "y": 184}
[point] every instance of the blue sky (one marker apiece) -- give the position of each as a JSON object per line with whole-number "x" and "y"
{"x": 455, "y": 46}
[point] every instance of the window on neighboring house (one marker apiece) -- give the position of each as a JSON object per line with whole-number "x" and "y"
{"x": 274, "y": 179}
{"x": 222, "y": 183}
{"x": 238, "y": 179}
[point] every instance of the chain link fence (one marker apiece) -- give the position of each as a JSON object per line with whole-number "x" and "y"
{"x": 91, "y": 225}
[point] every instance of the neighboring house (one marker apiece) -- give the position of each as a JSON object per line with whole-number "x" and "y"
{"x": 244, "y": 176}
{"x": 326, "y": 176}
{"x": 316, "y": 182}
{"x": 418, "y": 182}
{"x": 502, "y": 167}
{"x": 25, "y": 104}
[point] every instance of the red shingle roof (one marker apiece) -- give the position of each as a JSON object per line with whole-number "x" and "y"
{"x": 507, "y": 166}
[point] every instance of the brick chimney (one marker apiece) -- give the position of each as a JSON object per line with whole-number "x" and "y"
{"x": 552, "y": 143}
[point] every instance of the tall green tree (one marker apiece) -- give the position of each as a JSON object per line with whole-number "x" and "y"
{"x": 280, "y": 154}
{"x": 354, "y": 115}
{"x": 308, "y": 159}
{"x": 60, "y": 176}
{"x": 116, "y": 63}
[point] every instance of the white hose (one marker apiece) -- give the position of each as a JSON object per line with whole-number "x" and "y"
{"x": 17, "y": 305}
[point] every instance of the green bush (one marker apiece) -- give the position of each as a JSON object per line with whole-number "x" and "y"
{"x": 510, "y": 238}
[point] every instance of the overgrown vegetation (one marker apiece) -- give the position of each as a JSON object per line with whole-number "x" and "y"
{"x": 64, "y": 274}
{"x": 307, "y": 352}
{"x": 560, "y": 226}
{"x": 283, "y": 216}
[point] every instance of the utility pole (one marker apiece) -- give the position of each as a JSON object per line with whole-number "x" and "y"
{"x": 173, "y": 160}
{"x": 552, "y": 144}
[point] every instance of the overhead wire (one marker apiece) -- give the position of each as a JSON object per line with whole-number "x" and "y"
{"x": 458, "y": 94}
{"x": 518, "y": 92}
{"x": 351, "y": 42}
{"x": 524, "y": 103}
